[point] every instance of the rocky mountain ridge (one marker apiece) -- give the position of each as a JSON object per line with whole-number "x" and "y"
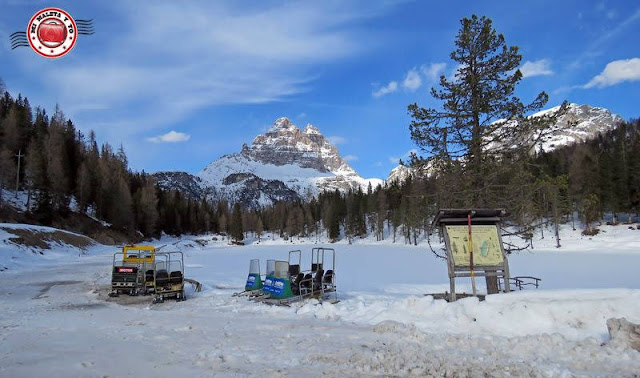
{"x": 283, "y": 164}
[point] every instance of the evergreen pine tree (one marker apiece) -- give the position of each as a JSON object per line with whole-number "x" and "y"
{"x": 259, "y": 229}
{"x": 7, "y": 171}
{"x": 237, "y": 234}
{"x": 467, "y": 128}
{"x": 148, "y": 208}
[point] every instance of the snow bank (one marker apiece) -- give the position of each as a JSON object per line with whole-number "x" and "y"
{"x": 23, "y": 246}
{"x": 574, "y": 314}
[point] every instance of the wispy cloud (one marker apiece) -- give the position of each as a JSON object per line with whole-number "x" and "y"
{"x": 432, "y": 71}
{"x": 536, "y": 68}
{"x": 170, "y": 137}
{"x": 412, "y": 81}
{"x": 616, "y": 72}
{"x": 186, "y": 57}
{"x": 350, "y": 158}
{"x": 385, "y": 90}
{"x": 605, "y": 37}
{"x": 335, "y": 140}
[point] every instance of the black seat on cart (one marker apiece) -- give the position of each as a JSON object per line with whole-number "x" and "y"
{"x": 295, "y": 283}
{"x": 148, "y": 275}
{"x": 307, "y": 281}
{"x": 328, "y": 277}
{"x": 316, "y": 267}
{"x": 175, "y": 277}
{"x": 294, "y": 270}
{"x": 162, "y": 277}
{"x": 317, "y": 280}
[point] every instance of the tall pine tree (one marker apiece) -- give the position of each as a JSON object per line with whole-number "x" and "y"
{"x": 481, "y": 119}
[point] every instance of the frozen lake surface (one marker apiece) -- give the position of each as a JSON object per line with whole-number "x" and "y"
{"x": 56, "y": 318}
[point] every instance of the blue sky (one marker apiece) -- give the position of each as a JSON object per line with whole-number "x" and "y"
{"x": 181, "y": 84}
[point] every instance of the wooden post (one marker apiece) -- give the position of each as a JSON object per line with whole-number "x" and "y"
{"x": 473, "y": 277}
{"x": 492, "y": 281}
{"x": 450, "y": 265}
{"x": 452, "y": 287}
{"x": 19, "y": 156}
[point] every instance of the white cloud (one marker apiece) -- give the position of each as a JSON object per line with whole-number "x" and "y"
{"x": 432, "y": 71}
{"x": 616, "y": 72}
{"x": 389, "y": 88}
{"x": 412, "y": 81}
{"x": 536, "y": 68}
{"x": 350, "y": 158}
{"x": 335, "y": 140}
{"x": 170, "y": 137}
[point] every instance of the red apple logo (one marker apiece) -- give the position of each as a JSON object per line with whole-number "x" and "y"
{"x": 52, "y": 32}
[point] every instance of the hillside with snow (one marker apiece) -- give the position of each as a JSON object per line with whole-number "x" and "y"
{"x": 578, "y": 124}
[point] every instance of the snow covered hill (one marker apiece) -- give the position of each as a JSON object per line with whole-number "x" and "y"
{"x": 400, "y": 173}
{"x": 283, "y": 164}
{"x": 188, "y": 184}
{"x": 25, "y": 245}
{"x": 580, "y": 123}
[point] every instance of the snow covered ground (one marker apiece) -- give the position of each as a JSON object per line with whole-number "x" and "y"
{"x": 56, "y": 318}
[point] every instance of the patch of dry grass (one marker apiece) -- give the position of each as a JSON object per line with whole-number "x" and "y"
{"x": 42, "y": 239}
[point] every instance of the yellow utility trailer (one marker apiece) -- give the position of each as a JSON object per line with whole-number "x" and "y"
{"x": 169, "y": 277}
{"x": 133, "y": 270}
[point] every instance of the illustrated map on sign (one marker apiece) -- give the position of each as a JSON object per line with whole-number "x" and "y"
{"x": 486, "y": 245}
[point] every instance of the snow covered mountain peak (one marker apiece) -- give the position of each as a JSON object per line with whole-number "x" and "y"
{"x": 281, "y": 123}
{"x": 311, "y": 130}
{"x": 399, "y": 174}
{"x": 579, "y": 123}
{"x": 281, "y": 164}
{"x": 285, "y": 143}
